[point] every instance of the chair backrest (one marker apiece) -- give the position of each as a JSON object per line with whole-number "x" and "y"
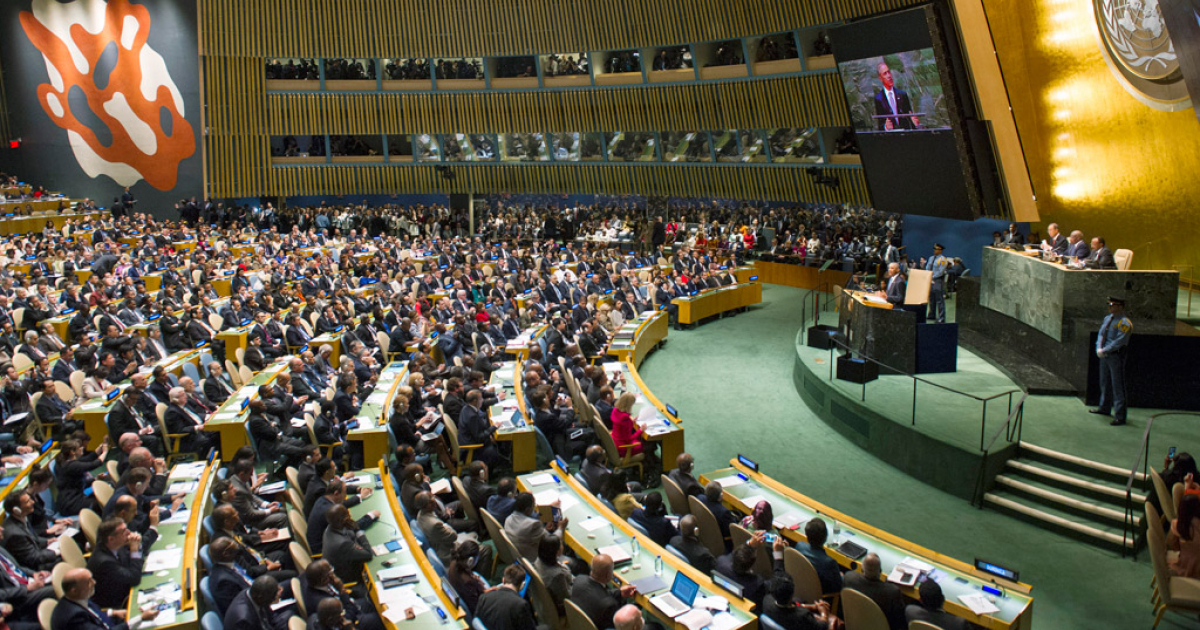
{"x": 808, "y": 583}
{"x": 710, "y": 530}
{"x": 77, "y": 377}
{"x": 464, "y": 499}
{"x": 1157, "y": 544}
{"x": 215, "y": 321}
{"x": 1123, "y": 258}
{"x": 675, "y": 497}
{"x": 1176, "y": 497}
{"x": 435, "y": 562}
{"x": 300, "y": 556}
{"x": 190, "y": 370}
{"x": 922, "y": 625}
{"x": 209, "y": 527}
{"x": 477, "y": 624}
{"x": 33, "y": 400}
{"x": 21, "y": 362}
{"x": 294, "y": 497}
{"x": 206, "y": 558}
{"x": 45, "y": 611}
{"x": 762, "y": 561}
{"x": 210, "y": 602}
{"x": 234, "y": 376}
{"x": 71, "y": 554}
{"x": 246, "y": 374}
{"x": 766, "y": 623}
{"x": 240, "y": 355}
{"x": 504, "y": 548}
{"x": 56, "y": 577}
{"x": 89, "y": 521}
{"x": 677, "y": 553}
{"x": 452, "y": 435}
{"x": 212, "y": 621}
{"x": 296, "y": 623}
{"x": 102, "y": 491}
{"x": 576, "y": 618}
{"x": 64, "y": 391}
{"x": 296, "y": 592}
{"x": 1164, "y": 495}
{"x": 293, "y": 477}
{"x": 418, "y": 533}
{"x": 543, "y": 603}
{"x": 299, "y": 526}
{"x": 862, "y": 613}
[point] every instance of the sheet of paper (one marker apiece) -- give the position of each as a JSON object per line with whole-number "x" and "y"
{"x": 546, "y": 497}
{"x": 752, "y": 500}
{"x": 441, "y": 486}
{"x": 711, "y": 602}
{"x": 182, "y": 486}
{"x": 731, "y": 481}
{"x": 695, "y": 619}
{"x": 539, "y": 479}
{"x": 724, "y": 621}
{"x": 397, "y": 572}
{"x": 978, "y": 603}
{"x": 163, "y": 559}
{"x": 179, "y": 516}
{"x": 593, "y": 524}
{"x": 566, "y": 502}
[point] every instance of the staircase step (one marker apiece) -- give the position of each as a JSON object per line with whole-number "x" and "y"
{"x": 1048, "y": 516}
{"x": 1064, "y": 501}
{"x": 1079, "y": 484}
{"x": 1081, "y": 462}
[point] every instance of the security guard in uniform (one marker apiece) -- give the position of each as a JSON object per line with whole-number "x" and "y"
{"x": 939, "y": 267}
{"x": 1112, "y": 347}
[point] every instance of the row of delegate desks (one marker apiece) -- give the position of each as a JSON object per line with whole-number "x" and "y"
{"x": 172, "y": 573}
{"x": 510, "y": 416}
{"x": 710, "y": 302}
{"x": 744, "y": 488}
{"x": 659, "y": 422}
{"x": 592, "y": 527}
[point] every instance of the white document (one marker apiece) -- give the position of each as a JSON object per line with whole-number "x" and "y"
{"x": 539, "y": 479}
{"x": 163, "y": 559}
{"x": 752, "y": 500}
{"x": 566, "y": 502}
{"x": 978, "y": 604}
{"x": 724, "y": 621}
{"x": 399, "y": 572}
{"x": 731, "y": 481}
{"x": 185, "y": 487}
{"x": 711, "y": 602}
{"x": 179, "y": 516}
{"x": 441, "y": 486}
{"x": 546, "y": 497}
{"x": 695, "y": 619}
{"x": 593, "y": 524}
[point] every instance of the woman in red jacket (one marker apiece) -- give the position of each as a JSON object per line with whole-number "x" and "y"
{"x": 626, "y": 432}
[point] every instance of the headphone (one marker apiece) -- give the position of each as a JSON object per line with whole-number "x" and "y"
{"x": 16, "y": 511}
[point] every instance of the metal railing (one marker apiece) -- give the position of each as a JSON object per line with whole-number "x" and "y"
{"x": 1143, "y": 460}
{"x": 1011, "y": 429}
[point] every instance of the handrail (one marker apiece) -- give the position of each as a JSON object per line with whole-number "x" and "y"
{"x": 1143, "y": 460}
{"x": 1012, "y": 427}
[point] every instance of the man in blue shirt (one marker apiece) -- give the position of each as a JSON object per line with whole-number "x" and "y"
{"x": 938, "y": 266}
{"x": 1112, "y": 343}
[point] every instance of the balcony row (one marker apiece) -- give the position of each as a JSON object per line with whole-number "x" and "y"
{"x": 812, "y": 145}
{"x": 774, "y": 54}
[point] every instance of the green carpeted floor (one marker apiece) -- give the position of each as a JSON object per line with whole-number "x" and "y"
{"x": 731, "y": 381}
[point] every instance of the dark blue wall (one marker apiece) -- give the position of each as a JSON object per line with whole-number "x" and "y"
{"x": 962, "y": 239}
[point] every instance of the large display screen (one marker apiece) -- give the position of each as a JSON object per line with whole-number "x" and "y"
{"x": 909, "y": 102}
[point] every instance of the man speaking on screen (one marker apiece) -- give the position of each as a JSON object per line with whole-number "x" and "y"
{"x": 890, "y": 103}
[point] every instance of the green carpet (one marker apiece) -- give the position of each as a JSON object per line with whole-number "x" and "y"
{"x": 731, "y": 380}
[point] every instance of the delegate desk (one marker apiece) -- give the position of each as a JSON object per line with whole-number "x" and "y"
{"x": 709, "y": 302}
{"x": 510, "y": 416}
{"x": 592, "y": 527}
{"x": 94, "y": 412}
{"x": 1054, "y": 300}
{"x": 373, "y": 414}
{"x": 28, "y": 224}
{"x": 171, "y": 575}
{"x": 639, "y": 336}
{"x": 743, "y": 488}
{"x": 425, "y": 596}
{"x": 519, "y": 346}
{"x": 229, "y": 420}
{"x": 16, "y": 477}
{"x": 659, "y": 422}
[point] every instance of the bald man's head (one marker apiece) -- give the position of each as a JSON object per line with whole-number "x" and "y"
{"x": 870, "y": 567}
{"x": 78, "y": 584}
{"x": 602, "y": 568}
{"x": 629, "y": 617}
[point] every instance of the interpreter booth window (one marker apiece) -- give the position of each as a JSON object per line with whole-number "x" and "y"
{"x": 356, "y": 148}
{"x": 294, "y": 69}
{"x": 405, "y": 69}
{"x": 572, "y": 146}
{"x": 523, "y": 147}
{"x": 686, "y": 146}
{"x": 633, "y": 146}
{"x": 565, "y": 64}
{"x": 461, "y": 68}
{"x": 794, "y": 145}
{"x": 400, "y": 148}
{"x": 462, "y": 147}
{"x": 427, "y": 148}
{"x": 739, "y": 145}
{"x": 349, "y": 69}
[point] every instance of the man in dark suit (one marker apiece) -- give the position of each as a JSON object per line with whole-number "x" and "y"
{"x": 682, "y": 475}
{"x": 738, "y": 566}
{"x": 1055, "y": 241}
{"x": 302, "y": 383}
{"x": 53, "y": 410}
{"x": 712, "y": 500}
{"x": 318, "y": 522}
{"x": 594, "y": 595}
{"x": 895, "y": 286}
{"x": 688, "y": 542}
{"x": 930, "y": 609}
{"x": 25, "y": 544}
{"x": 885, "y": 595}
{"x": 1101, "y": 257}
{"x": 181, "y": 420}
{"x": 116, "y": 563}
{"x": 475, "y": 428}
{"x": 217, "y": 387}
{"x": 892, "y": 103}
{"x": 77, "y": 611}
{"x": 64, "y": 366}
{"x": 1076, "y": 246}
{"x": 827, "y": 568}
{"x": 503, "y": 608}
{"x": 227, "y": 578}
{"x": 199, "y": 331}
{"x": 247, "y": 610}
{"x": 255, "y": 358}
{"x": 125, "y": 418}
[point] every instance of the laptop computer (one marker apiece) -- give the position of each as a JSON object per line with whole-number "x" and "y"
{"x": 679, "y": 600}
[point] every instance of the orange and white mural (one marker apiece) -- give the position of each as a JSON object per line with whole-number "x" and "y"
{"x": 136, "y": 97}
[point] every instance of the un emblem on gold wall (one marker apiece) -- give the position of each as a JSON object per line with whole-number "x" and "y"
{"x": 1139, "y": 50}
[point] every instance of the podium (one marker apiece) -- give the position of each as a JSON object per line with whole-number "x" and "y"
{"x": 896, "y": 337}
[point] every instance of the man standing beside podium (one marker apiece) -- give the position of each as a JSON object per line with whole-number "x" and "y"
{"x": 938, "y": 266}
{"x": 895, "y": 287}
{"x": 1112, "y": 345}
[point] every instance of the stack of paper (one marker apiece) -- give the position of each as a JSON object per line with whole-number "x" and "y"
{"x": 539, "y": 479}
{"x": 184, "y": 487}
{"x": 160, "y": 559}
{"x": 695, "y": 619}
{"x": 397, "y": 601}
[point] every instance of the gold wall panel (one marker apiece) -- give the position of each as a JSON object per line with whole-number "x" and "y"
{"x": 1100, "y": 160}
